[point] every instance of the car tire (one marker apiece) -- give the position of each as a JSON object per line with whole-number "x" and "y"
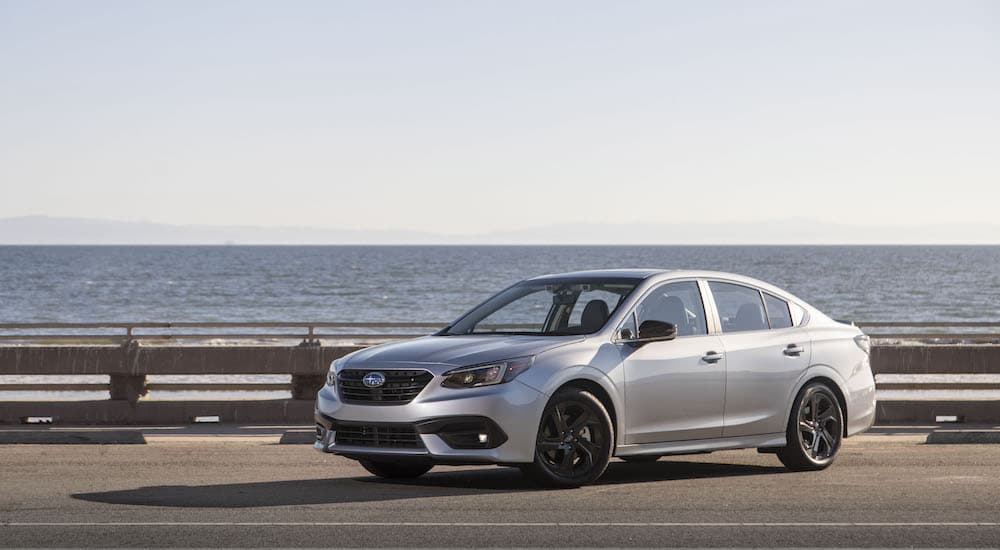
{"x": 640, "y": 459}
{"x": 815, "y": 429}
{"x": 395, "y": 470}
{"x": 574, "y": 442}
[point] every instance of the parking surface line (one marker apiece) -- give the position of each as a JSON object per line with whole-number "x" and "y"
{"x": 488, "y": 524}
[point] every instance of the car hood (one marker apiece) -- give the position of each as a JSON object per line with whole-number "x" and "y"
{"x": 457, "y": 351}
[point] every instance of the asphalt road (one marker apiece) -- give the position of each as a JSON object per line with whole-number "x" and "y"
{"x": 883, "y": 491}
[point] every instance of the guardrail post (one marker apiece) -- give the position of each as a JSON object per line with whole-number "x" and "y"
{"x": 305, "y": 386}
{"x": 310, "y": 339}
{"x": 127, "y": 387}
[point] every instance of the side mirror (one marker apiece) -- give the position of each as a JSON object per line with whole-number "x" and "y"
{"x": 655, "y": 331}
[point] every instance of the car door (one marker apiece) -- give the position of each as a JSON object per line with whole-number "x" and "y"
{"x": 765, "y": 355}
{"x": 675, "y": 389}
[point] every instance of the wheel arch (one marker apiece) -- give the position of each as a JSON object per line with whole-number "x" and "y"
{"x": 817, "y": 375}
{"x": 602, "y": 395}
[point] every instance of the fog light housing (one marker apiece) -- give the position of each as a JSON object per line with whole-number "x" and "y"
{"x": 465, "y": 432}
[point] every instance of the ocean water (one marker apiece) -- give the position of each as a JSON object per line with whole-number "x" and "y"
{"x": 438, "y": 283}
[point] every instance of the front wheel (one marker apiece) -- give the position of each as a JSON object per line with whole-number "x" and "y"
{"x": 395, "y": 470}
{"x": 815, "y": 429}
{"x": 574, "y": 442}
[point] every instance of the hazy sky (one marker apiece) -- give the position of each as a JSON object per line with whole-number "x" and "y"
{"x": 469, "y": 116}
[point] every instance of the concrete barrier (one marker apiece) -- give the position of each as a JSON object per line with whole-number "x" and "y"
{"x": 936, "y": 359}
{"x": 128, "y": 365}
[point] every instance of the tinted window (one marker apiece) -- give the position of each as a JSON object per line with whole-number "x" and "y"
{"x": 547, "y": 306}
{"x": 777, "y": 312}
{"x": 677, "y": 303}
{"x": 628, "y": 328}
{"x": 528, "y": 312}
{"x": 739, "y": 307}
{"x": 610, "y": 300}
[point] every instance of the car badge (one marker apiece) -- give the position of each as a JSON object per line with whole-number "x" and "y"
{"x": 373, "y": 380}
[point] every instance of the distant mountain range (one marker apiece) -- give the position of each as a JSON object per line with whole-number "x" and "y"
{"x": 37, "y": 230}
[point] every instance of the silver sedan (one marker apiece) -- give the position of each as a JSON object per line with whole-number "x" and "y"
{"x": 560, "y": 373}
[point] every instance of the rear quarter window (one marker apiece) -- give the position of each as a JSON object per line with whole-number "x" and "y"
{"x": 798, "y": 314}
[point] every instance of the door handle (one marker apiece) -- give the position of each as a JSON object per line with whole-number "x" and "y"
{"x": 793, "y": 350}
{"x": 712, "y": 357}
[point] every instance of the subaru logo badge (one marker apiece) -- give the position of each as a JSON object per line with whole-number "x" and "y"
{"x": 373, "y": 380}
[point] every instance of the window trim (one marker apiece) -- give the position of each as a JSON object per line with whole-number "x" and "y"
{"x": 805, "y": 311}
{"x": 712, "y": 317}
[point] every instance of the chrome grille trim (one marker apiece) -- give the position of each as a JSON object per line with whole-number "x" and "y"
{"x": 401, "y": 386}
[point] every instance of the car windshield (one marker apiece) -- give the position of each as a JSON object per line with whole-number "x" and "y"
{"x": 547, "y": 307}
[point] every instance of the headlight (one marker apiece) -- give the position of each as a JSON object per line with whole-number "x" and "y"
{"x": 488, "y": 374}
{"x": 331, "y": 375}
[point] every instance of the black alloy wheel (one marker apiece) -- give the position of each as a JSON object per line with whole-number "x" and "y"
{"x": 815, "y": 429}
{"x": 575, "y": 440}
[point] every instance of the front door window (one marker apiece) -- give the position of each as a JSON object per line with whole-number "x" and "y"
{"x": 678, "y": 303}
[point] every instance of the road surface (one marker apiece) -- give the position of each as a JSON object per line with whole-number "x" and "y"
{"x": 883, "y": 491}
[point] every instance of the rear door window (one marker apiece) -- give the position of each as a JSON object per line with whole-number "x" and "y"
{"x": 778, "y": 314}
{"x": 740, "y": 307}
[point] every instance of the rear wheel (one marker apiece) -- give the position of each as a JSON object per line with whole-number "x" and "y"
{"x": 574, "y": 442}
{"x": 395, "y": 470}
{"x": 815, "y": 429}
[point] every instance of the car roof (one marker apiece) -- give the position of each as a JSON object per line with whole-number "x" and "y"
{"x": 642, "y": 273}
{"x": 654, "y": 276}
{"x": 639, "y": 274}
{"x": 625, "y": 274}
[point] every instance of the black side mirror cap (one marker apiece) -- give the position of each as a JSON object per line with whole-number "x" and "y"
{"x": 655, "y": 331}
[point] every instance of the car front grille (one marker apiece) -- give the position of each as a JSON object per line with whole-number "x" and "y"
{"x": 400, "y": 387}
{"x": 397, "y": 436}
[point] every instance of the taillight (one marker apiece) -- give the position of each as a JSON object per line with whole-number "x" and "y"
{"x": 863, "y": 342}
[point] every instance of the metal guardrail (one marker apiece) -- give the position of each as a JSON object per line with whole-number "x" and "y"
{"x": 280, "y": 330}
{"x": 126, "y": 353}
{"x": 153, "y": 331}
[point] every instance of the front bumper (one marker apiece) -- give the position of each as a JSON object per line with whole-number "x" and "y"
{"x": 444, "y": 421}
